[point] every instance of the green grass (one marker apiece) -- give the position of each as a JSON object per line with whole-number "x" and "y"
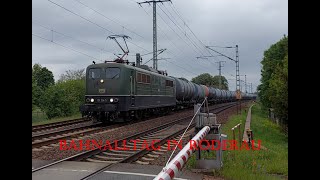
{"x": 41, "y": 118}
{"x": 260, "y": 164}
{"x": 38, "y": 115}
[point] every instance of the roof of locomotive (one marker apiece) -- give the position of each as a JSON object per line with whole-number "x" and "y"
{"x": 124, "y": 65}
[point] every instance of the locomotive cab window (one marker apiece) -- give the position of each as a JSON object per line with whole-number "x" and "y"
{"x": 94, "y": 73}
{"x": 112, "y": 73}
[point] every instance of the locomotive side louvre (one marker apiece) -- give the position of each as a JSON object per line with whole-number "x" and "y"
{"x": 153, "y": 90}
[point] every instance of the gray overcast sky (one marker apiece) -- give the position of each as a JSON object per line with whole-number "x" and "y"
{"x": 252, "y": 24}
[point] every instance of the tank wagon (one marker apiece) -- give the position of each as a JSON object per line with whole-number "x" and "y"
{"x": 122, "y": 92}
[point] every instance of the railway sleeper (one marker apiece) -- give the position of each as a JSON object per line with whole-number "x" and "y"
{"x": 108, "y": 157}
{"x": 114, "y": 154}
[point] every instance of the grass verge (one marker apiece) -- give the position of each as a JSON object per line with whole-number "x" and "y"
{"x": 42, "y": 119}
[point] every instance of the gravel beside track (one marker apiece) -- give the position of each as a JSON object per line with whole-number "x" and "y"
{"x": 58, "y": 125}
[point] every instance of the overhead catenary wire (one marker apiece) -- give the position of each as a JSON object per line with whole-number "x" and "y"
{"x": 192, "y": 42}
{"x": 110, "y": 31}
{"x": 178, "y": 35}
{"x": 162, "y": 32}
{"x": 177, "y": 24}
{"x": 65, "y": 46}
{"x": 181, "y": 67}
{"x": 92, "y": 22}
{"x": 172, "y": 41}
{"x": 178, "y": 14}
{"x": 81, "y": 16}
{"x": 176, "y": 32}
{"x": 68, "y": 36}
{"x": 204, "y": 67}
{"x": 108, "y": 18}
{"x": 189, "y": 60}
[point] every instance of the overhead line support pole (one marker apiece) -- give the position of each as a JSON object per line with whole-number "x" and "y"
{"x": 155, "y": 56}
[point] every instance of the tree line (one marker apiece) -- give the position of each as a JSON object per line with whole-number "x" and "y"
{"x": 57, "y": 99}
{"x": 273, "y": 90}
{"x": 212, "y": 81}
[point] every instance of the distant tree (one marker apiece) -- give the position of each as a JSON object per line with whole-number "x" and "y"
{"x": 34, "y": 84}
{"x": 73, "y": 75}
{"x": 43, "y": 77}
{"x": 224, "y": 82}
{"x": 36, "y": 68}
{"x": 205, "y": 79}
{"x": 208, "y": 80}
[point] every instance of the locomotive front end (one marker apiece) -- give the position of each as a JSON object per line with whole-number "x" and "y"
{"x": 107, "y": 91}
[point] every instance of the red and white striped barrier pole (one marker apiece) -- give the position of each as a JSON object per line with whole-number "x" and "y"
{"x": 182, "y": 157}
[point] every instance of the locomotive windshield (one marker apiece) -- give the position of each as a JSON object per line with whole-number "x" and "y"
{"x": 94, "y": 73}
{"x": 112, "y": 73}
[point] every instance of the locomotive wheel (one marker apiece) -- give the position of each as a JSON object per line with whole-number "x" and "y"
{"x": 138, "y": 115}
{"x": 94, "y": 119}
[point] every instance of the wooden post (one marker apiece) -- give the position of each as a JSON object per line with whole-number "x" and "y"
{"x": 234, "y": 135}
{"x": 240, "y": 135}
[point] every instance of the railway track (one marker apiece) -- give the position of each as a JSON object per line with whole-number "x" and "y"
{"x": 54, "y": 126}
{"x": 141, "y": 150}
{"x": 49, "y": 139}
{"x": 171, "y": 130}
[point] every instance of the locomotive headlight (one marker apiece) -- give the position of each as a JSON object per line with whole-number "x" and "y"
{"x": 111, "y": 99}
{"x": 88, "y": 100}
{"x": 101, "y": 80}
{"x": 92, "y": 100}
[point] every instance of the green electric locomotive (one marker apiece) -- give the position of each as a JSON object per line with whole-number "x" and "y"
{"x": 122, "y": 92}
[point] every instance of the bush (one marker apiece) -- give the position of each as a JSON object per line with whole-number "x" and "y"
{"x": 63, "y": 98}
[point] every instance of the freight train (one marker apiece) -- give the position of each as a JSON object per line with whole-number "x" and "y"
{"x": 119, "y": 91}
